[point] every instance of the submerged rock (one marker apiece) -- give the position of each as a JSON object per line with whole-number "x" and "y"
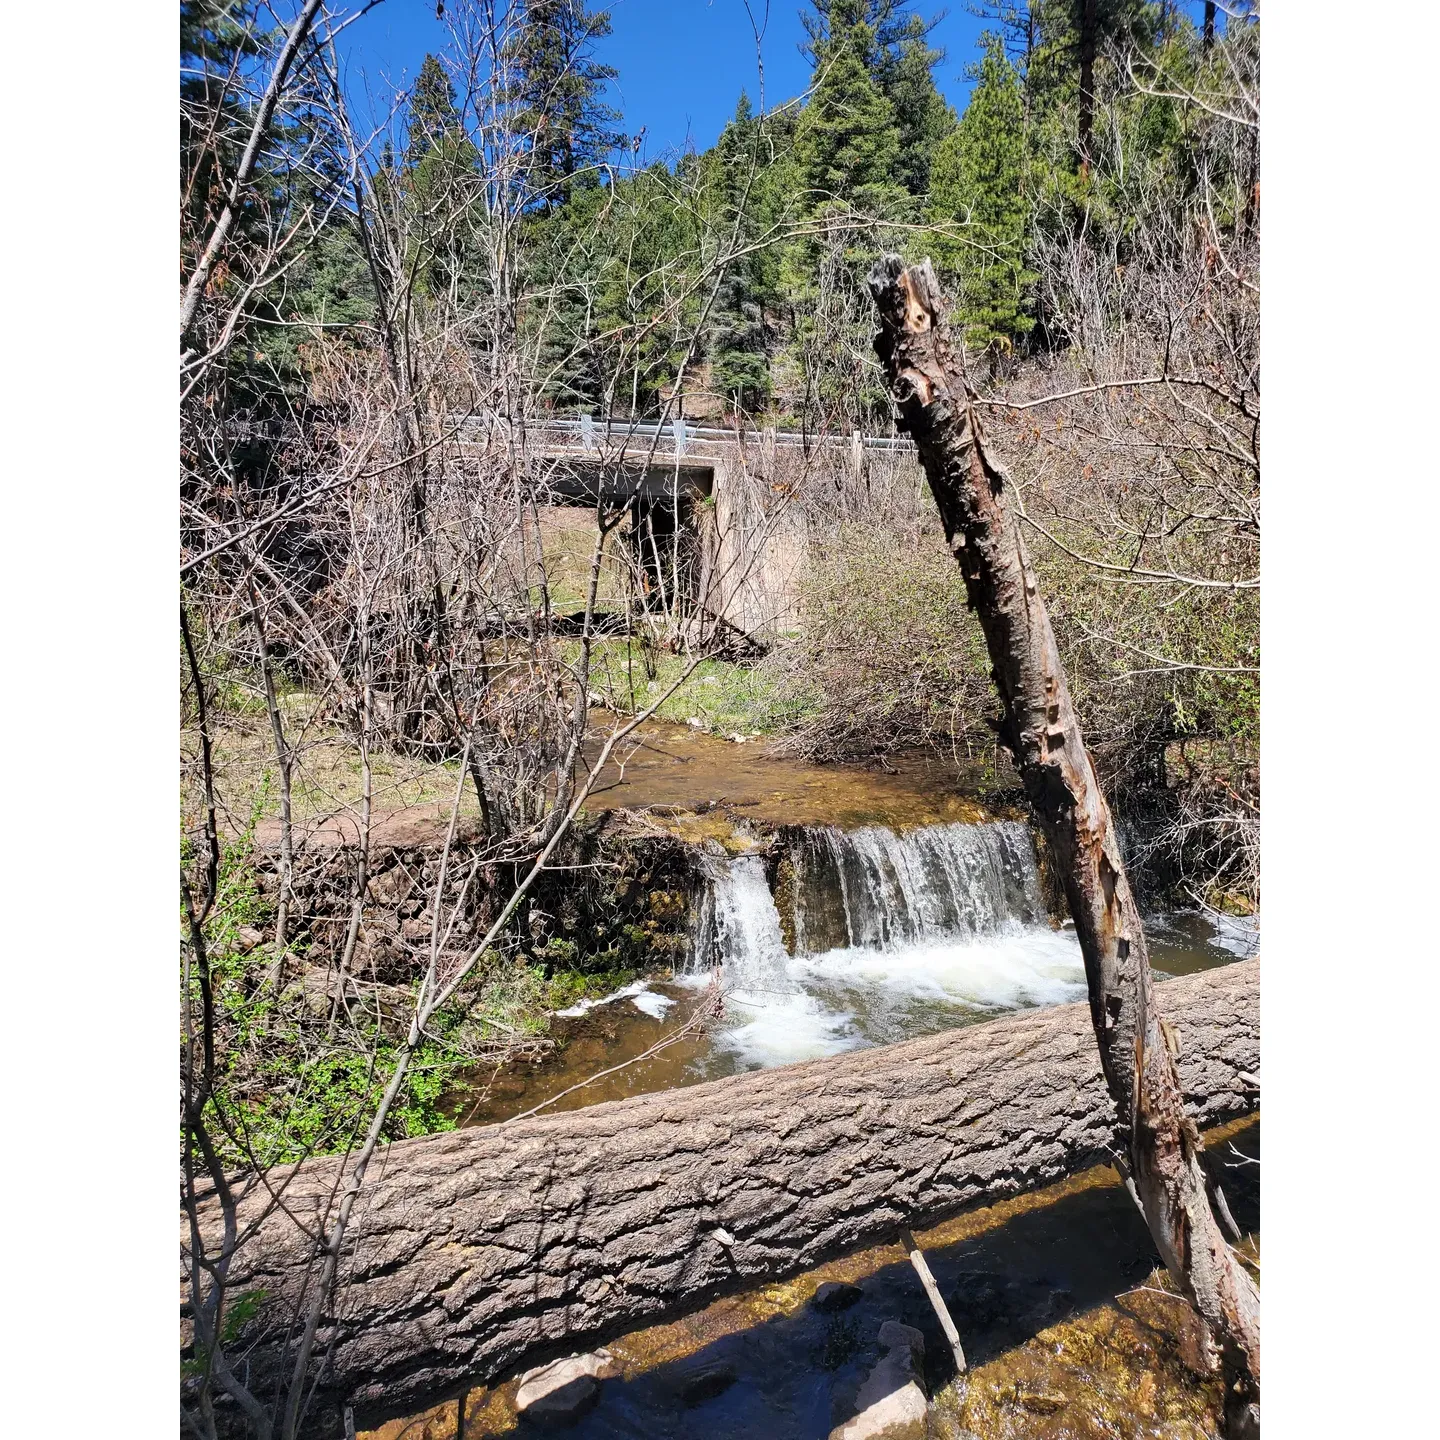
{"x": 704, "y": 1382}
{"x": 563, "y": 1389}
{"x": 894, "y": 1334}
{"x": 1041, "y": 1402}
{"x": 835, "y": 1295}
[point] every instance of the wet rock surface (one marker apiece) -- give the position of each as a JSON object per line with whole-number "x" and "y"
{"x": 835, "y": 1295}
{"x": 703, "y": 1382}
{"x": 1007, "y": 1305}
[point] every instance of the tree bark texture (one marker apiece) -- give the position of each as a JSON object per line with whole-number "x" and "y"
{"x": 481, "y": 1251}
{"x": 1137, "y": 1047}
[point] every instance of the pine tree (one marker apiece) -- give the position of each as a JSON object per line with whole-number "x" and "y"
{"x": 740, "y": 367}
{"x": 924, "y": 118}
{"x": 214, "y": 48}
{"x": 847, "y": 145}
{"x": 644, "y": 300}
{"x": 1073, "y": 37}
{"x": 979, "y": 178}
{"x": 557, "y": 94}
{"x": 440, "y": 174}
{"x": 890, "y": 24}
{"x": 902, "y": 63}
{"x": 432, "y": 109}
{"x": 219, "y": 45}
{"x": 565, "y": 254}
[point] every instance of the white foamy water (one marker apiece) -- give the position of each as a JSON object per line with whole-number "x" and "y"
{"x": 849, "y": 998}
{"x": 1239, "y": 937}
{"x": 779, "y": 1030}
{"x": 639, "y": 994}
{"x": 898, "y": 936}
{"x": 944, "y": 926}
{"x": 997, "y": 972}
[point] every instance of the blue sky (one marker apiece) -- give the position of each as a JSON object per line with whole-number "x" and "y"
{"x": 682, "y": 63}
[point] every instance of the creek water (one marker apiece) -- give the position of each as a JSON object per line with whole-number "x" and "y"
{"x": 888, "y": 906}
{"x": 846, "y": 938}
{"x": 664, "y": 766}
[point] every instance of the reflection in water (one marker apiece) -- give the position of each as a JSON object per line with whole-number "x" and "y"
{"x": 667, "y": 765}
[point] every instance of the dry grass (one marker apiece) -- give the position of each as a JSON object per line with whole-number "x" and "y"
{"x": 326, "y": 778}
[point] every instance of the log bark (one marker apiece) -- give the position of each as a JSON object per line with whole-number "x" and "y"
{"x": 1039, "y": 726}
{"x": 481, "y": 1251}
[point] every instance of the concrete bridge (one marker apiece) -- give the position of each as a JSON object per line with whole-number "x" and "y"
{"x": 691, "y": 489}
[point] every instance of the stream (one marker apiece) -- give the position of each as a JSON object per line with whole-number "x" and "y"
{"x": 842, "y": 909}
{"x": 875, "y": 936}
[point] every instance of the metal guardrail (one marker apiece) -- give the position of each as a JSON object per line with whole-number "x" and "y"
{"x": 594, "y": 433}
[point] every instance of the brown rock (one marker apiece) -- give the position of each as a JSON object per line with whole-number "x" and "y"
{"x": 392, "y": 886}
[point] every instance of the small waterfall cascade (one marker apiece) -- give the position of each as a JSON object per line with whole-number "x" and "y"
{"x": 740, "y": 927}
{"x": 877, "y": 936}
{"x": 874, "y": 889}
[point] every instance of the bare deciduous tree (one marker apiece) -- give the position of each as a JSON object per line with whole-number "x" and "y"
{"x": 1160, "y": 1143}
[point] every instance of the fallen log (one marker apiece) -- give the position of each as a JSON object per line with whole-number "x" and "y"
{"x": 478, "y": 1252}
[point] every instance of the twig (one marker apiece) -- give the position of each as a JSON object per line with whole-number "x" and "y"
{"x": 937, "y": 1302}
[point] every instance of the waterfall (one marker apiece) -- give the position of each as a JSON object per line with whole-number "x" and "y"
{"x": 740, "y": 927}
{"x": 873, "y": 889}
{"x": 894, "y": 935}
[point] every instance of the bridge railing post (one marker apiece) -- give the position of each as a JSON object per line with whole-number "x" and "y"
{"x": 587, "y": 433}
{"x": 677, "y": 428}
{"x": 857, "y": 454}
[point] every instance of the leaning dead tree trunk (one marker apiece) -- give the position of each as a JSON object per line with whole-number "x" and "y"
{"x": 1137, "y": 1047}
{"x": 482, "y": 1251}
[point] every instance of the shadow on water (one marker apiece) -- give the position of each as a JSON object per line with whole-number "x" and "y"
{"x": 1067, "y": 1328}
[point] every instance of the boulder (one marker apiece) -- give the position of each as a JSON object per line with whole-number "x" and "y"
{"x": 563, "y": 1389}
{"x": 894, "y": 1335}
{"x": 891, "y": 1404}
